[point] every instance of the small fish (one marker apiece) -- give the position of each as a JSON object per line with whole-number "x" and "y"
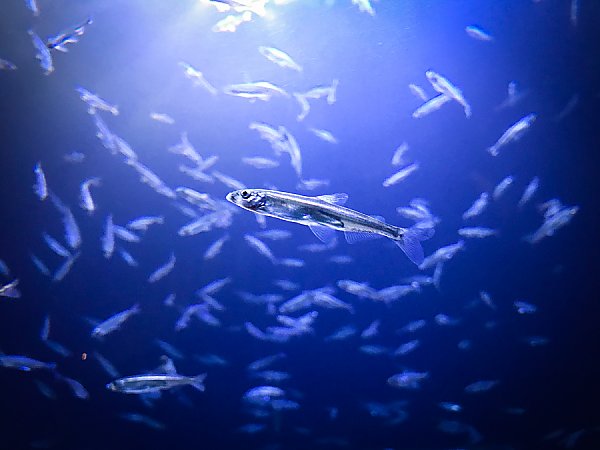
{"x": 407, "y": 379}
{"x": 398, "y": 158}
{"x": 40, "y": 187}
{"x": 529, "y": 192}
{"x": 70, "y": 36}
{"x": 260, "y": 247}
{"x": 402, "y": 174}
{"x": 162, "y": 118}
{"x": 329, "y": 92}
{"x": 231, "y": 22}
{"x": 445, "y": 87}
{"x": 431, "y": 105}
{"x": 254, "y": 6}
{"x": 477, "y": 232}
{"x": 364, "y": 6}
{"x": 55, "y": 246}
{"x": 258, "y": 90}
{"x": 114, "y": 322}
{"x": 7, "y": 65}
{"x": 478, "y": 33}
{"x": 163, "y": 270}
{"x": 215, "y": 248}
{"x": 279, "y": 57}
{"x": 524, "y": 307}
{"x": 481, "y": 386}
{"x": 513, "y": 133}
{"x": 144, "y": 384}
{"x": 24, "y": 363}
{"x": 96, "y": 103}
{"x": 324, "y": 135}
{"x": 108, "y": 238}
{"x": 143, "y": 223}
{"x": 477, "y": 207}
{"x": 10, "y": 290}
{"x": 76, "y": 387}
{"x": 43, "y": 54}
{"x": 144, "y": 420}
{"x": 198, "y": 78}
{"x": 86, "y": 200}
{"x": 324, "y": 214}
{"x": 418, "y": 91}
{"x": 502, "y": 186}
{"x": 260, "y": 163}
{"x": 33, "y": 7}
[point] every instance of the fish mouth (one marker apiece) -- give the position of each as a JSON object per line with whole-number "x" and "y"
{"x": 231, "y": 197}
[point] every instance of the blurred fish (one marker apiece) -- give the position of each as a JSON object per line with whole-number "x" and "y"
{"x": 254, "y": 6}
{"x": 407, "y": 379}
{"x": 417, "y": 91}
{"x": 108, "y": 238}
{"x": 431, "y": 105}
{"x": 43, "y": 54}
{"x": 7, "y": 65}
{"x": 324, "y": 214}
{"x": 477, "y": 207}
{"x": 477, "y": 232}
{"x": 162, "y": 118}
{"x": 279, "y": 57}
{"x": 144, "y": 420}
{"x": 260, "y": 163}
{"x": 513, "y": 133}
{"x": 443, "y": 86}
{"x": 478, "y": 33}
{"x": 40, "y": 187}
{"x": 24, "y": 363}
{"x": 143, "y": 384}
{"x": 258, "y": 90}
{"x": 163, "y": 270}
{"x": 215, "y": 248}
{"x": 33, "y": 7}
{"x": 402, "y": 174}
{"x": 86, "y": 200}
{"x": 70, "y": 36}
{"x": 502, "y": 186}
{"x": 10, "y": 290}
{"x": 530, "y": 190}
{"x": 96, "y": 103}
{"x": 324, "y": 135}
{"x": 198, "y": 78}
{"x": 231, "y": 22}
{"x": 398, "y": 158}
{"x": 364, "y": 6}
{"x": 481, "y": 386}
{"x": 142, "y": 223}
{"x": 115, "y": 322}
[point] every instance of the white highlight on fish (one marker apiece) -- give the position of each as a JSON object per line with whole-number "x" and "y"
{"x": 258, "y": 90}
{"x": 513, "y": 133}
{"x": 144, "y": 384}
{"x": 402, "y": 174}
{"x": 70, "y": 36}
{"x": 324, "y": 215}
{"x": 430, "y": 106}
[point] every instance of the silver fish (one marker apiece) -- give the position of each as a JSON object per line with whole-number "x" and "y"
{"x": 279, "y": 57}
{"x": 143, "y": 384}
{"x": 513, "y": 133}
{"x": 70, "y": 36}
{"x": 40, "y": 187}
{"x": 324, "y": 214}
{"x": 43, "y": 54}
{"x": 114, "y": 322}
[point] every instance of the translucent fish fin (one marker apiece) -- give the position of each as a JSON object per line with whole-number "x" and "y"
{"x": 325, "y": 235}
{"x": 335, "y": 199}
{"x": 380, "y": 218}
{"x": 411, "y": 245}
{"x": 198, "y": 382}
{"x": 353, "y": 237}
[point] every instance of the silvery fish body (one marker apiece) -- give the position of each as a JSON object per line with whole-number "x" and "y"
{"x": 325, "y": 214}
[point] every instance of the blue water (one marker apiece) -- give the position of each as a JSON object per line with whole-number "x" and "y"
{"x": 130, "y": 57}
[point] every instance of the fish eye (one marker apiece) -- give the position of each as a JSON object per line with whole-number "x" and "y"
{"x": 245, "y": 194}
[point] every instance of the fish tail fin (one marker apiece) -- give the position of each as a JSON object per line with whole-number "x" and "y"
{"x": 410, "y": 242}
{"x": 198, "y": 382}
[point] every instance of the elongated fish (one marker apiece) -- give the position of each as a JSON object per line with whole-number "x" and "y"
{"x": 325, "y": 214}
{"x": 147, "y": 383}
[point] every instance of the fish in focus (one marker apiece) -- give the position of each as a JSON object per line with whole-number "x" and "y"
{"x": 324, "y": 214}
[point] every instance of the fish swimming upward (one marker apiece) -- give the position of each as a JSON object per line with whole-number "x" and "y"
{"x": 325, "y": 214}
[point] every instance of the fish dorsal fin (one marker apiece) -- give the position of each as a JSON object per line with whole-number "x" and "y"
{"x": 353, "y": 237}
{"x": 380, "y": 218}
{"x": 325, "y": 235}
{"x": 334, "y": 199}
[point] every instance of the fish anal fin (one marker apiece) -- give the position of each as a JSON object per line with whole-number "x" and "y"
{"x": 325, "y": 235}
{"x": 353, "y": 237}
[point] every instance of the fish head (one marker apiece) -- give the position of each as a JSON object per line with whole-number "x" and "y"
{"x": 251, "y": 199}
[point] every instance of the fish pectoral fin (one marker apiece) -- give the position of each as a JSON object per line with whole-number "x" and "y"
{"x": 353, "y": 237}
{"x": 325, "y": 235}
{"x": 335, "y": 199}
